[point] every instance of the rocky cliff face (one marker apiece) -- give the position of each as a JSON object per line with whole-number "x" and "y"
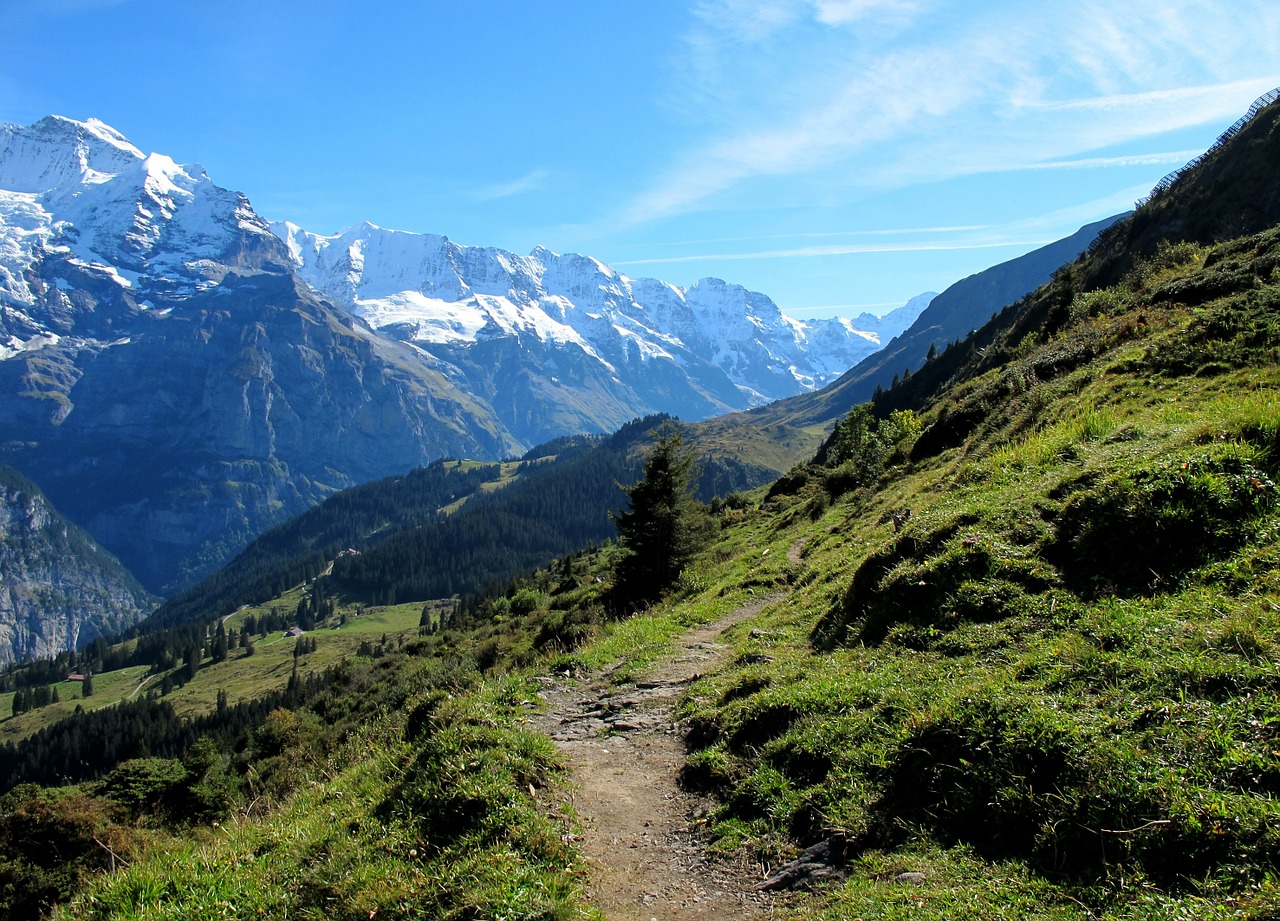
{"x": 222, "y": 415}
{"x": 58, "y": 589}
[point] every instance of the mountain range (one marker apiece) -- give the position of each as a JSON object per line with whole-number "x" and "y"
{"x": 178, "y": 374}
{"x": 734, "y": 346}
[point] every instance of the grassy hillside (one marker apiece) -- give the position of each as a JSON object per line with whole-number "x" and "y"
{"x": 1051, "y": 689}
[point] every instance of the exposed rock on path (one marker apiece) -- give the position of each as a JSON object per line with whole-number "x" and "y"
{"x": 642, "y": 832}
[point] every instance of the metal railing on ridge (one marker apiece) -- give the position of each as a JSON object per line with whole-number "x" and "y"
{"x": 1164, "y": 184}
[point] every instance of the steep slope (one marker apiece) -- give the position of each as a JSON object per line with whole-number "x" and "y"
{"x": 450, "y": 528}
{"x": 1234, "y": 185}
{"x": 789, "y": 431}
{"x": 48, "y": 564}
{"x": 238, "y": 407}
{"x": 1040, "y": 635}
{"x": 965, "y": 306}
{"x": 1033, "y": 662}
{"x": 1226, "y": 192}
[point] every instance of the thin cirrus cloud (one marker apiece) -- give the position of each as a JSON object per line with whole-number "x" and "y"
{"x": 529, "y": 182}
{"x": 839, "y": 249}
{"x": 1029, "y": 232}
{"x": 881, "y": 90}
{"x": 875, "y": 232}
{"x": 1168, "y": 158}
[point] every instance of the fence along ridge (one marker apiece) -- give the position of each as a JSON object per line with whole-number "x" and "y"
{"x": 1259, "y": 104}
{"x": 1163, "y": 185}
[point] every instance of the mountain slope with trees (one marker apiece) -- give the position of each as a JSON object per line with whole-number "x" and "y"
{"x": 951, "y": 317}
{"x": 176, "y": 386}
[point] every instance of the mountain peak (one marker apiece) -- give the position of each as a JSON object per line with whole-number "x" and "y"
{"x": 90, "y": 201}
{"x": 102, "y": 131}
{"x": 57, "y": 152}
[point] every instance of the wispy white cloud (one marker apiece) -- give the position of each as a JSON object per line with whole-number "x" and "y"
{"x": 893, "y": 96}
{"x": 1065, "y": 220}
{"x": 837, "y": 249}
{"x": 1167, "y": 158}
{"x": 751, "y": 21}
{"x": 844, "y": 12}
{"x": 1024, "y": 234}
{"x": 530, "y": 181}
{"x": 745, "y": 20}
{"x": 821, "y": 234}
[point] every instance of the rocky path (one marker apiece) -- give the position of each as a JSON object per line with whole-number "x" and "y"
{"x": 641, "y": 831}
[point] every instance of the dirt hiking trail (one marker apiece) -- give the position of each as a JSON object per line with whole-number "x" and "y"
{"x": 641, "y": 831}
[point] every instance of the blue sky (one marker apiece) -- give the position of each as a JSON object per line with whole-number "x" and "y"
{"x": 837, "y": 155}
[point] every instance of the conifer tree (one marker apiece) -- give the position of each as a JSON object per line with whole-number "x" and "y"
{"x": 220, "y": 644}
{"x": 657, "y": 534}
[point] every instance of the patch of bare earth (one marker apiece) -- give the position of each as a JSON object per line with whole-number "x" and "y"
{"x": 642, "y": 832}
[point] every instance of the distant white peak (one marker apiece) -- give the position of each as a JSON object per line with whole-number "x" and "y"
{"x": 293, "y": 238}
{"x": 921, "y": 301}
{"x": 58, "y": 152}
{"x": 96, "y": 138}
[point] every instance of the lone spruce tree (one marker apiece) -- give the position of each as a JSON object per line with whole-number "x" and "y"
{"x": 658, "y": 532}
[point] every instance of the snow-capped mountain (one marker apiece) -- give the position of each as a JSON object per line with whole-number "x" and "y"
{"x": 82, "y": 192}
{"x": 167, "y": 380}
{"x": 441, "y": 295}
{"x": 176, "y": 376}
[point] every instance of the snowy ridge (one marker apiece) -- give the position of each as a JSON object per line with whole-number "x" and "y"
{"x": 80, "y": 189}
{"x": 428, "y": 289}
{"x": 82, "y": 206}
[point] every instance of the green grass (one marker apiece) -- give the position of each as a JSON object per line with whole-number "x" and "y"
{"x": 1053, "y": 691}
{"x": 241, "y": 676}
{"x": 245, "y": 677}
{"x": 109, "y": 688}
{"x": 461, "y": 817}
